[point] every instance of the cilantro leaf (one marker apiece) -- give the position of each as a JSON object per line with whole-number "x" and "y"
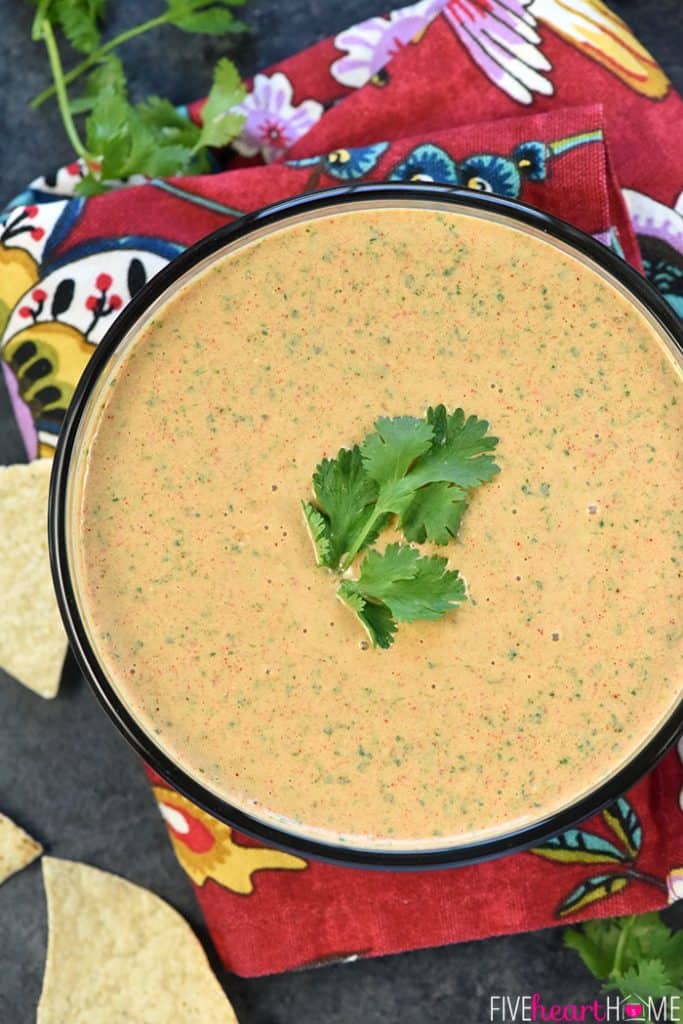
{"x": 401, "y": 586}
{"x": 220, "y": 124}
{"x": 652, "y": 937}
{"x": 637, "y": 955}
{"x": 458, "y": 452}
{"x": 596, "y": 943}
{"x": 389, "y": 453}
{"x": 345, "y": 497}
{"x": 108, "y": 77}
{"x": 108, "y": 133}
{"x": 78, "y": 20}
{"x": 434, "y": 513}
{"x": 211, "y": 17}
{"x": 126, "y": 143}
{"x": 649, "y": 979}
{"x": 376, "y": 618}
{"x": 153, "y": 138}
{"x": 173, "y": 127}
{"x": 404, "y": 455}
{"x": 411, "y": 585}
{"x": 319, "y": 530}
{"x": 162, "y": 161}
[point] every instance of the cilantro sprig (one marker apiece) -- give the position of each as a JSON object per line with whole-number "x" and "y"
{"x": 401, "y": 586}
{"x": 149, "y": 138}
{"x": 638, "y": 956}
{"x": 416, "y": 474}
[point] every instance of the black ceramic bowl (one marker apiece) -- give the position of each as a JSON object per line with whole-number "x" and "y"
{"x": 525, "y": 218}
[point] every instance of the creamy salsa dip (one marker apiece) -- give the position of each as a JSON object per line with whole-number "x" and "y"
{"x": 198, "y": 579}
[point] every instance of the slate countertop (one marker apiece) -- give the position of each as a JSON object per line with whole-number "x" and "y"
{"x": 65, "y": 773}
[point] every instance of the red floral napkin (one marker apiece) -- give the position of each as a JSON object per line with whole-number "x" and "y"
{"x": 552, "y": 102}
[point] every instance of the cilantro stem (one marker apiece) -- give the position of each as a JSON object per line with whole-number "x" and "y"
{"x": 97, "y": 55}
{"x": 617, "y": 966}
{"x": 45, "y": 32}
{"x": 38, "y": 21}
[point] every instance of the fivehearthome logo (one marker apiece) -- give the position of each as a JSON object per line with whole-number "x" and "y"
{"x": 529, "y": 1009}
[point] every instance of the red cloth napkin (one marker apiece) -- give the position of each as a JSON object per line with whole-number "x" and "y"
{"x": 555, "y": 103}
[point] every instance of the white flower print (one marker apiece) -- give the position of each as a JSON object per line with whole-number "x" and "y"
{"x": 272, "y": 123}
{"x": 371, "y": 44}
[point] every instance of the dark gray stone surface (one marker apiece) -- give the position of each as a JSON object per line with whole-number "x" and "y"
{"x": 67, "y": 776}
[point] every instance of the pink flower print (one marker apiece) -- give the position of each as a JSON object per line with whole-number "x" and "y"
{"x": 371, "y": 44}
{"x": 272, "y": 124}
{"x": 500, "y": 36}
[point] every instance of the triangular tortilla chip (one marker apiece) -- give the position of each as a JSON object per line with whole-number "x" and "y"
{"x": 17, "y": 849}
{"x": 32, "y": 638}
{"x": 118, "y": 953}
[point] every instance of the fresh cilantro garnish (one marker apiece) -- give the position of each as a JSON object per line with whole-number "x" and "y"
{"x": 418, "y": 469}
{"x": 149, "y": 138}
{"x": 376, "y": 618}
{"x": 434, "y": 514}
{"x": 416, "y": 473}
{"x": 423, "y": 469}
{"x": 638, "y": 956}
{"x": 401, "y": 586}
{"x": 345, "y": 497}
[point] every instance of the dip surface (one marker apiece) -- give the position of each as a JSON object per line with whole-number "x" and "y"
{"x": 198, "y": 580}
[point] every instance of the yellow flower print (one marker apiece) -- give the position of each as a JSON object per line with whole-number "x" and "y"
{"x": 205, "y": 847}
{"x": 18, "y": 272}
{"x": 601, "y": 35}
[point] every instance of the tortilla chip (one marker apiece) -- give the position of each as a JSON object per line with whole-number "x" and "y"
{"x": 32, "y": 639}
{"x": 17, "y": 849}
{"x": 118, "y": 953}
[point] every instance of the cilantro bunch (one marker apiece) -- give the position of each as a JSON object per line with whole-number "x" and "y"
{"x": 638, "y": 956}
{"x": 416, "y": 474}
{"x": 149, "y": 138}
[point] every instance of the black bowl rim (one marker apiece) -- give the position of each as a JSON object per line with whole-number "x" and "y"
{"x": 338, "y": 853}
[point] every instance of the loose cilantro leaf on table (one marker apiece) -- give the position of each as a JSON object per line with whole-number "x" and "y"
{"x": 638, "y": 956}
{"x": 108, "y": 77}
{"x": 149, "y": 138}
{"x": 152, "y": 138}
{"x": 417, "y": 473}
{"x": 79, "y": 21}
{"x": 211, "y": 17}
{"x": 219, "y": 124}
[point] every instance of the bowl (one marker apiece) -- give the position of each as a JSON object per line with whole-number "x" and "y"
{"x": 530, "y": 828}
